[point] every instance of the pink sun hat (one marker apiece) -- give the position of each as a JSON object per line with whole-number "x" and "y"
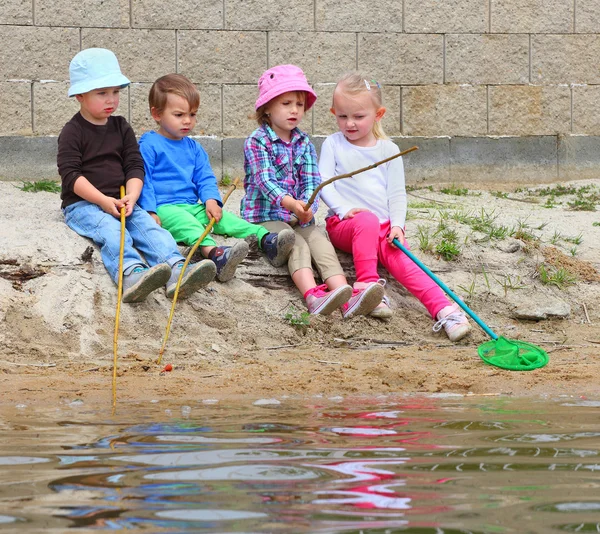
{"x": 282, "y": 79}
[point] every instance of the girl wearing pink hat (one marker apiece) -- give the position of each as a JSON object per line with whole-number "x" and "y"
{"x": 281, "y": 175}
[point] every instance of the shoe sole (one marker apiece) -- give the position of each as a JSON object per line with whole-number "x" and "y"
{"x": 237, "y": 254}
{"x": 194, "y": 279}
{"x": 285, "y": 243}
{"x": 459, "y": 332}
{"x": 337, "y": 298}
{"x": 156, "y": 277}
{"x": 371, "y": 297}
{"x": 383, "y": 313}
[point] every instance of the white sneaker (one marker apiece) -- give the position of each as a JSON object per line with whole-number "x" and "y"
{"x": 383, "y": 309}
{"x": 455, "y": 324}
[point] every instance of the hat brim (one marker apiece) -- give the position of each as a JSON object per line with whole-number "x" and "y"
{"x": 110, "y": 80}
{"x": 282, "y": 88}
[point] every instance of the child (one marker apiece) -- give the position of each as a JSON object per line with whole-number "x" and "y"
{"x": 98, "y": 153}
{"x": 179, "y": 176}
{"x": 281, "y": 174}
{"x": 369, "y": 210}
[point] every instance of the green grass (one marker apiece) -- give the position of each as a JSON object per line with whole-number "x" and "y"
{"x": 226, "y": 180}
{"x": 510, "y": 282}
{"x": 297, "y": 319}
{"x": 454, "y": 190}
{"x": 424, "y": 239}
{"x": 49, "y": 186}
{"x": 448, "y": 250}
{"x": 576, "y": 240}
{"x": 499, "y": 194}
{"x": 596, "y": 224}
{"x": 560, "y": 278}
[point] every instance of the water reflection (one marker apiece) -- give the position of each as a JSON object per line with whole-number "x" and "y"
{"x": 426, "y": 465}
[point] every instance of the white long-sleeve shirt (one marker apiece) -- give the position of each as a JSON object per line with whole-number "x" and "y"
{"x": 380, "y": 190}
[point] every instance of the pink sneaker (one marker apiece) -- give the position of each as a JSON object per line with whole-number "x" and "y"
{"x": 319, "y": 301}
{"x": 454, "y": 322}
{"x": 365, "y": 298}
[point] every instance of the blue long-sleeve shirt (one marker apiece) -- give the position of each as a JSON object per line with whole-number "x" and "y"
{"x": 177, "y": 172}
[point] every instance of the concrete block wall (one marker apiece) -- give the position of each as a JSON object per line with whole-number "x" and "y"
{"x": 491, "y": 88}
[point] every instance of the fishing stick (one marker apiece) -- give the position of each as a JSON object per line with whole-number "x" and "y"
{"x": 118, "y": 313}
{"x": 187, "y": 261}
{"x": 350, "y": 174}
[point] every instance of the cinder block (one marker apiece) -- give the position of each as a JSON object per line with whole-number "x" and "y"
{"x": 269, "y": 15}
{"x": 565, "y": 58}
{"x": 222, "y": 56}
{"x": 578, "y": 157}
{"x": 213, "y": 149}
{"x": 204, "y": 14}
{"x": 233, "y": 159}
{"x": 431, "y": 163}
{"x": 529, "y": 110}
{"x": 322, "y": 119}
{"x": 141, "y": 120}
{"x": 28, "y": 158}
{"x": 15, "y": 103}
{"x": 105, "y": 14}
{"x": 487, "y": 59}
{"x": 532, "y": 16}
{"x": 359, "y": 16}
{"x": 52, "y": 108}
{"x": 322, "y": 56}
{"x": 587, "y": 18}
{"x": 401, "y": 58}
{"x": 518, "y": 159}
{"x": 435, "y": 16}
{"x": 16, "y": 12}
{"x": 37, "y": 53}
{"x": 238, "y": 108}
{"x": 586, "y": 109}
{"x": 144, "y": 55}
{"x": 444, "y": 110}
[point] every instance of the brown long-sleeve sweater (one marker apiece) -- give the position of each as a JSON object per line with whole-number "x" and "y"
{"x": 106, "y": 155}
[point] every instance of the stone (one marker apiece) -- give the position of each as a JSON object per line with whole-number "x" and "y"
{"x": 144, "y": 55}
{"x": 323, "y": 121}
{"x": 529, "y": 110}
{"x": 16, "y": 12}
{"x": 435, "y": 16}
{"x": 214, "y": 56}
{"x": 578, "y": 157}
{"x": 108, "y": 13}
{"x": 430, "y": 163}
{"x": 565, "y": 59}
{"x": 322, "y": 56}
{"x": 532, "y": 16}
{"x": 401, "y": 58}
{"x": 537, "y": 311}
{"x": 586, "y": 109}
{"x": 238, "y": 106}
{"x": 52, "y": 108}
{"x": 487, "y": 59}
{"x": 15, "y": 102}
{"x": 588, "y": 16}
{"x": 180, "y": 14}
{"x": 358, "y": 16}
{"x": 42, "y": 53}
{"x": 444, "y": 110}
{"x": 28, "y": 158}
{"x": 268, "y": 15}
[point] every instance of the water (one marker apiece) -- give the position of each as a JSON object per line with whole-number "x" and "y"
{"x": 446, "y": 464}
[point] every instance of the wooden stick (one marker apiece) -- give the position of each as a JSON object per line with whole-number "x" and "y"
{"x": 118, "y": 312}
{"x": 208, "y": 228}
{"x": 350, "y": 174}
{"x": 586, "y": 313}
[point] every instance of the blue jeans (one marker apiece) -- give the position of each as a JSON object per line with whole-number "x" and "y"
{"x": 156, "y": 244}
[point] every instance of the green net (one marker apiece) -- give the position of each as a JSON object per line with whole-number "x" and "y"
{"x": 512, "y": 354}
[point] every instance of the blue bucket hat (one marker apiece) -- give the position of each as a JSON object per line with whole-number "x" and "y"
{"x": 95, "y": 68}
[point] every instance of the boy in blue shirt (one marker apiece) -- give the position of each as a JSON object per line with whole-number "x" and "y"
{"x": 97, "y": 154}
{"x": 180, "y": 190}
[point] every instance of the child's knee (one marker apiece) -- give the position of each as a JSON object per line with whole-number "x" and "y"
{"x": 367, "y": 219}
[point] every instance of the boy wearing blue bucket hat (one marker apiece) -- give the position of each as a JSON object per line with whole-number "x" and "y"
{"x": 97, "y": 154}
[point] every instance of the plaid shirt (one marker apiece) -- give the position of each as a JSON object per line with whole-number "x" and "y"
{"x": 275, "y": 169}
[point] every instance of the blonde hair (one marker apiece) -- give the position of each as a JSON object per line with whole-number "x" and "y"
{"x": 353, "y": 83}
{"x": 175, "y": 84}
{"x": 262, "y": 116}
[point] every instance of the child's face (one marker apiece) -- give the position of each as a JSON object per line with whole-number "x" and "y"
{"x": 285, "y": 113}
{"x": 99, "y": 104}
{"x": 355, "y": 115}
{"x": 177, "y": 119}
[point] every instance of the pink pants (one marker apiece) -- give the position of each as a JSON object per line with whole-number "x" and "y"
{"x": 365, "y": 238}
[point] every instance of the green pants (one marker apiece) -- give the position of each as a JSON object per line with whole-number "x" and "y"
{"x": 187, "y": 222}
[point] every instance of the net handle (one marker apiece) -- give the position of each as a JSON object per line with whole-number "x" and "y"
{"x": 450, "y": 293}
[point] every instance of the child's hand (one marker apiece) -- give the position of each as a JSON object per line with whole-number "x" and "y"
{"x": 111, "y": 205}
{"x": 304, "y": 216}
{"x": 353, "y": 212}
{"x": 156, "y": 218}
{"x": 213, "y": 210}
{"x": 129, "y": 201}
{"x": 395, "y": 233}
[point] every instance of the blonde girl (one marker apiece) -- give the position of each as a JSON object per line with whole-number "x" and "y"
{"x": 368, "y": 211}
{"x": 281, "y": 175}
